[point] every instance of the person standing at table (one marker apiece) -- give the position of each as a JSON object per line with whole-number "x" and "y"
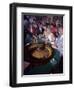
{"x": 59, "y": 41}
{"x": 50, "y": 38}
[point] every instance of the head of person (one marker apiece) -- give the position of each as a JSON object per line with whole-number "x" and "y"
{"x": 60, "y": 30}
{"x": 44, "y": 27}
{"x": 51, "y": 25}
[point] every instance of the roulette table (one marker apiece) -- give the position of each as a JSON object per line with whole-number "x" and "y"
{"x": 42, "y": 58}
{"x": 38, "y": 53}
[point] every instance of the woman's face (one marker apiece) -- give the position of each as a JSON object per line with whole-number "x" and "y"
{"x": 51, "y": 26}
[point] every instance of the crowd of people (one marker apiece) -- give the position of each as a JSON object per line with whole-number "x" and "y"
{"x": 44, "y": 29}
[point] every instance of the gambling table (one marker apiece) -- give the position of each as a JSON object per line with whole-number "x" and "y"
{"x": 44, "y": 64}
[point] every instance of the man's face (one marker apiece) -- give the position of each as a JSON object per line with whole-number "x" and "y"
{"x": 44, "y": 27}
{"x": 60, "y": 31}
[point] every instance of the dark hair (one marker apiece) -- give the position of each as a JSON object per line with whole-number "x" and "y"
{"x": 54, "y": 25}
{"x": 60, "y": 25}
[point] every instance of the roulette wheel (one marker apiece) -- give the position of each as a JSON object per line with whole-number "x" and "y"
{"x": 39, "y": 53}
